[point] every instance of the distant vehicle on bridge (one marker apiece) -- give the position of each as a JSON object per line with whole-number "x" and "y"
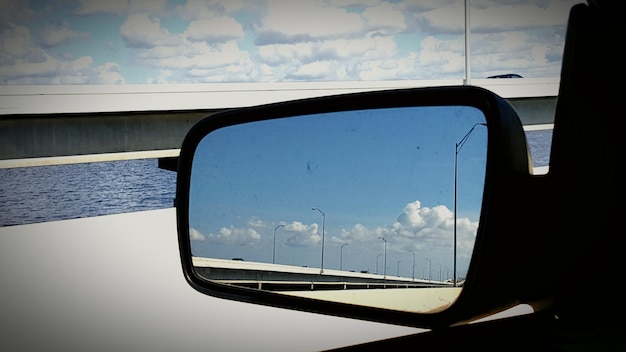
{"x": 507, "y": 75}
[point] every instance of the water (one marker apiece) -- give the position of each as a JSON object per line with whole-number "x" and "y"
{"x": 59, "y": 192}
{"x": 48, "y": 193}
{"x": 539, "y": 143}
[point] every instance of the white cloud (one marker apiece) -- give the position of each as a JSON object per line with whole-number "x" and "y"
{"x": 234, "y": 236}
{"x": 423, "y": 227}
{"x": 195, "y": 55}
{"x": 195, "y": 9}
{"x": 16, "y": 42}
{"x": 273, "y": 55}
{"x": 195, "y": 235}
{"x": 503, "y": 16}
{"x": 330, "y": 59}
{"x": 52, "y": 71}
{"x": 367, "y": 47}
{"x": 515, "y": 52}
{"x": 385, "y": 16}
{"x": 256, "y": 222}
{"x": 215, "y": 29}
{"x": 119, "y": 7}
{"x": 289, "y": 20}
{"x": 86, "y": 7}
{"x": 391, "y": 69}
{"x": 79, "y": 71}
{"x": 14, "y": 12}
{"x": 110, "y": 73}
{"x": 202, "y": 9}
{"x": 24, "y": 72}
{"x": 416, "y": 216}
{"x": 447, "y": 18}
{"x": 143, "y": 31}
{"x": 427, "y": 231}
{"x": 348, "y": 3}
{"x": 207, "y": 51}
{"x": 232, "y": 5}
{"x": 141, "y": 6}
{"x": 440, "y": 58}
{"x": 313, "y": 40}
{"x": 60, "y": 34}
{"x": 314, "y": 70}
{"x": 301, "y": 235}
{"x": 22, "y": 62}
{"x": 417, "y": 228}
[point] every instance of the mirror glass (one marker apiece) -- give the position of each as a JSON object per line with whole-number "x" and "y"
{"x": 353, "y": 206}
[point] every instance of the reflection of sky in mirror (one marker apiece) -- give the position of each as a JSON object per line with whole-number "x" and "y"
{"x": 379, "y": 173}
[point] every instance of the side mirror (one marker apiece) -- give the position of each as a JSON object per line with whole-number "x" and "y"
{"x": 383, "y": 206}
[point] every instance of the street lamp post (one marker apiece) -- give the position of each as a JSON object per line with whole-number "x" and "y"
{"x": 398, "y": 268}
{"x": 323, "y": 234}
{"x": 274, "y": 251}
{"x": 439, "y": 271}
{"x": 458, "y": 147}
{"x": 341, "y": 256}
{"x": 413, "y": 265}
{"x": 385, "y": 256}
{"x": 429, "y": 268}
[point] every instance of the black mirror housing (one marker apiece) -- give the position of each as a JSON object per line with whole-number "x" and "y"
{"x": 497, "y": 277}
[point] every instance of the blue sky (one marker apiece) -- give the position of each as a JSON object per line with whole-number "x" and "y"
{"x": 145, "y": 42}
{"x": 373, "y": 174}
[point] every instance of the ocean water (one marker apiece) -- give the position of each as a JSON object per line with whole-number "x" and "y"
{"x": 539, "y": 143}
{"x": 59, "y": 192}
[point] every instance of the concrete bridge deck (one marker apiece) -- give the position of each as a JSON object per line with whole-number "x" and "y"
{"x": 281, "y": 277}
{"x": 138, "y": 121}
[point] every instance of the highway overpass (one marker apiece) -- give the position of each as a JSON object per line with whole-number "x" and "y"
{"x": 281, "y": 277}
{"x": 41, "y": 125}
{"x": 361, "y": 288}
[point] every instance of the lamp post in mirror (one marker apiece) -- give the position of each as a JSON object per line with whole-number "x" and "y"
{"x": 439, "y": 271}
{"x": 384, "y": 256}
{"x": 413, "y": 270}
{"x": 459, "y": 145}
{"x": 274, "y": 251}
{"x": 341, "y": 256}
{"x": 323, "y": 233}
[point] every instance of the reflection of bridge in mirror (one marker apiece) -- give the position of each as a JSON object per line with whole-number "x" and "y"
{"x": 280, "y": 277}
{"x": 357, "y": 288}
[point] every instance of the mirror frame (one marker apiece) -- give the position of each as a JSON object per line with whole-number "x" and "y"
{"x": 508, "y": 167}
